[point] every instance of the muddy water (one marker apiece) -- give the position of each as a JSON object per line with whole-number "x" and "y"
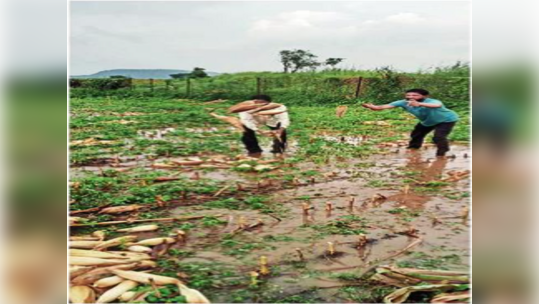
{"x": 387, "y": 208}
{"x": 388, "y": 212}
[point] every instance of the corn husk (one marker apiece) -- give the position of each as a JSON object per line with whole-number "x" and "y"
{"x": 84, "y": 244}
{"x": 143, "y": 228}
{"x": 108, "y": 282}
{"x": 234, "y": 121}
{"x": 271, "y": 112}
{"x": 267, "y": 107}
{"x": 74, "y": 220}
{"x": 99, "y": 234}
{"x": 121, "y": 209}
{"x": 244, "y": 106}
{"x": 132, "y": 255}
{"x": 87, "y": 261}
{"x": 127, "y": 296}
{"x": 83, "y": 238}
{"x": 341, "y": 110}
{"x": 75, "y": 271}
{"x": 155, "y": 241}
{"x": 147, "y": 264}
{"x": 116, "y": 241}
{"x": 192, "y": 295}
{"x": 94, "y": 254}
{"x": 95, "y": 274}
{"x": 81, "y": 294}
{"x": 114, "y": 293}
{"x": 145, "y": 278}
{"x": 139, "y": 249}
{"x": 401, "y": 295}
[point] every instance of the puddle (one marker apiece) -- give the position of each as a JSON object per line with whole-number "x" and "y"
{"x": 385, "y": 222}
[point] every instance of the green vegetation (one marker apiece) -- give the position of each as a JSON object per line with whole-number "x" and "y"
{"x": 117, "y": 136}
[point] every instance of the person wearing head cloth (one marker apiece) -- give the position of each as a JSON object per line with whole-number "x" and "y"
{"x": 276, "y": 119}
{"x": 432, "y": 115}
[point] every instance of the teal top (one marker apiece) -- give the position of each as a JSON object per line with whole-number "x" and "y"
{"x": 428, "y": 116}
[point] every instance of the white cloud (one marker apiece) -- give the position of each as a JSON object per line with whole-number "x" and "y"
{"x": 299, "y": 21}
{"x": 405, "y": 18}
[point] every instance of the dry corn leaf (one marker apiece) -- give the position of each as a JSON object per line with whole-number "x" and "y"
{"x": 454, "y": 297}
{"x": 188, "y": 162}
{"x": 163, "y": 166}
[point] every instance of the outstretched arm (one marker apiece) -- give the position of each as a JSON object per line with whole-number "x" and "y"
{"x": 377, "y": 108}
{"x": 414, "y": 103}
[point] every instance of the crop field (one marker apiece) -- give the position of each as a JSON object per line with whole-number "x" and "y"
{"x": 326, "y": 223}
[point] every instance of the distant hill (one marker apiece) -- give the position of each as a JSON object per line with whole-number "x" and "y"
{"x": 138, "y": 74}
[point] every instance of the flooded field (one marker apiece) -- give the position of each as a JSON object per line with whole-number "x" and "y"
{"x": 309, "y": 227}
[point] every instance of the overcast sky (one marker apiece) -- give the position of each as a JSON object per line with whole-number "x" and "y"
{"x": 247, "y": 36}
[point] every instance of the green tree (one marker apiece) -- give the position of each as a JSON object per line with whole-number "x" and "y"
{"x": 297, "y": 60}
{"x": 332, "y": 62}
{"x": 198, "y": 73}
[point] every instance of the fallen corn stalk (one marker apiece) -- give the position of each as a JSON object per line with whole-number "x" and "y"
{"x": 115, "y": 242}
{"x": 234, "y": 121}
{"x": 86, "y": 261}
{"x": 187, "y": 218}
{"x": 143, "y": 228}
{"x": 121, "y": 209}
{"x": 401, "y": 295}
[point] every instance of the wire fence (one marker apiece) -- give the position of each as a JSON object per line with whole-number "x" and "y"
{"x": 295, "y": 89}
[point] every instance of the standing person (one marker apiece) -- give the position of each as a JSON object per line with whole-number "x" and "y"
{"x": 432, "y": 115}
{"x": 276, "y": 119}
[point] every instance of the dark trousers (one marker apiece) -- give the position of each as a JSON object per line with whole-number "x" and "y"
{"x": 441, "y": 131}
{"x": 251, "y": 142}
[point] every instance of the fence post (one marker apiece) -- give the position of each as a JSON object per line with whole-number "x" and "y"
{"x": 358, "y": 87}
{"x": 258, "y": 85}
{"x": 188, "y": 87}
{"x": 151, "y": 84}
